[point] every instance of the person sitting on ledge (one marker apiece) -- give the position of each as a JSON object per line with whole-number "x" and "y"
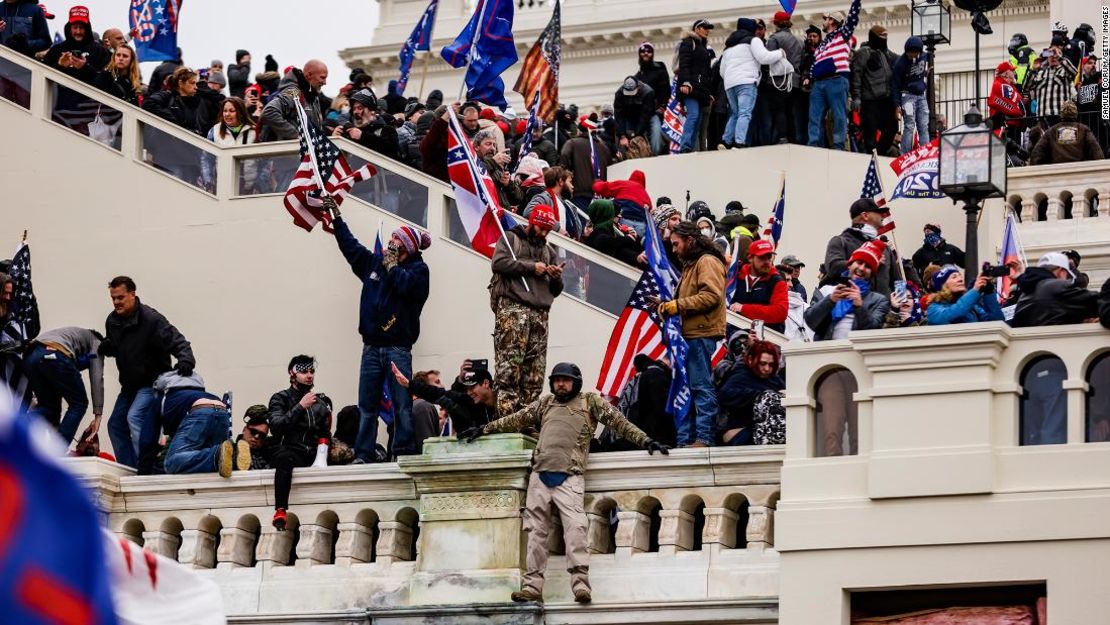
{"x": 198, "y": 425}
{"x": 256, "y": 433}
{"x": 301, "y": 423}
{"x": 566, "y": 420}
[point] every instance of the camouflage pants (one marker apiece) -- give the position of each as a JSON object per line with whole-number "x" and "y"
{"x": 520, "y": 355}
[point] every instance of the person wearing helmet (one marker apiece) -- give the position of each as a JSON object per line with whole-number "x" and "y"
{"x": 367, "y": 127}
{"x": 566, "y": 420}
{"x": 1021, "y": 58}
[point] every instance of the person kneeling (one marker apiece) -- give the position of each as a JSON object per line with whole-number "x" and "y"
{"x": 199, "y": 427}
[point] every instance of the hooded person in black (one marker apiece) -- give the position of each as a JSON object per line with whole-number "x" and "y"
{"x": 79, "y": 55}
{"x": 164, "y": 71}
{"x": 1049, "y": 296}
{"x": 872, "y": 73}
{"x": 25, "y": 28}
{"x": 239, "y": 74}
{"x": 435, "y": 99}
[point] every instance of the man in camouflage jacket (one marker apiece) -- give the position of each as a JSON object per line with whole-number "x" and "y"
{"x": 566, "y": 421}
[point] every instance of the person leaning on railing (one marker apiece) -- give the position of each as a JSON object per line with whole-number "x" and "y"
{"x": 121, "y": 77}
{"x": 177, "y": 103}
{"x": 78, "y": 55}
{"x": 953, "y": 302}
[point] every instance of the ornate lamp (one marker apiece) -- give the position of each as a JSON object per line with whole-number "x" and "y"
{"x": 931, "y": 21}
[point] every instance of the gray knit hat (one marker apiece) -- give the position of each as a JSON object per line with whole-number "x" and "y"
{"x": 662, "y": 214}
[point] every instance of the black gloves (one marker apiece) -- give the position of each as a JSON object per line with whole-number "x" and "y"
{"x": 184, "y": 369}
{"x": 471, "y": 435}
{"x": 653, "y": 446}
{"x": 106, "y": 349}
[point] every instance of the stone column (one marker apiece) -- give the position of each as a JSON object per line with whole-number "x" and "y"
{"x": 597, "y": 533}
{"x": 1104, "y": 203}
{"x": 198, "y": 549}
{"x": 1055, "y": 207}
{"x": 314, "y": 546}
{"x": 274, "y": 547}
{"x": 395, "y": 542}
{"x": 760, "y": 531}
{"x": 1028, "y": 211}
{"x": 633, "y": 533}
{"x": 676, "y": 531}
{"x": 471, "y": 547}
{"x": 162, "y": 543}
{"x": 355, "y": 544}
{"x": 720, "y": 529}
{"x": 236, "y": 549}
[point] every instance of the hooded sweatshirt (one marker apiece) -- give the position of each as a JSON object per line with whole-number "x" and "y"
{"x": 910, "y": 75}
{"x": 873, "y": 69}
{"x": 630, "y": 196}
{"x": 279, "y": 117}
{"x": 744, "y": 54}
{"x": 96, "y": 57}
{"x": 25, "y": 20}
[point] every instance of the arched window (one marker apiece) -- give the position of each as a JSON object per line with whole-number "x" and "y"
{"x": 1098, "y": 400}
{"x": 837, "y": 431}
{"x": 1044, "y": 404}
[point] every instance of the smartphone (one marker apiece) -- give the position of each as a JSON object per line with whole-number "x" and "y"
{"x": 840, "y": 281}
{"x": 757, "y": 329}
{"x": 479, "y": 364}
{"x": 900, "y": 289}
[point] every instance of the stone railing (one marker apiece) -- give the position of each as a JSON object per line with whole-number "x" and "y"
{"x": 1050, "y": 193}
{"x": 691, "y": 529}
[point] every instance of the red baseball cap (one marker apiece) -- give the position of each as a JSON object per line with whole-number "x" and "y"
{"x": 79, "y": 14}
{"x": 46, "y": 12}
{"x": 760, "y": 248}
{"x": 781, "y": 16}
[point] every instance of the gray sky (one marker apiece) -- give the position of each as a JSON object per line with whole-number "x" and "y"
{"x": 291, "y": 30}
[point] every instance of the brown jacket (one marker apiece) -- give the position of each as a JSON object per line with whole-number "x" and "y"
{"x": 701, "y": 298}
{"x": 1066, "y": 142}
{"x": 508, "y": 273}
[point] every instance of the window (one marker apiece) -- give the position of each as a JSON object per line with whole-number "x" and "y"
{"x": 1044, "y": 405}
{"x": 1098, "y": 400}
{"x": 837, "y": 431}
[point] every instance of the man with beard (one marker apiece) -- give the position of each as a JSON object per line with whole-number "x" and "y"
{"x": 566, "y": 421}
{"x": 654, "y": 74}
{"x": 526, "y": 280}
{"x": 558, "y": 189}
{"x": 78, "y": 55}
{"x": 279, "y": 118}
{"x": 301, "y": 423}
{"x": 496, "y": 163}
{"x": 367, "y": 128}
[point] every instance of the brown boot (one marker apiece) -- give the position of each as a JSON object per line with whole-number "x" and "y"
{"x": 524, "y": 595}
{"x": 582, "y": 596}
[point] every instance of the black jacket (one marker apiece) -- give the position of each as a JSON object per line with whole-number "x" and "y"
{"x": 238, "y": 78}
{"x": 209, "y": 105}
{"x": 142, "y": 345}
{"x": 464, "y": 413}
{"x": 118, "y": 86}
{"x": 633, "y": 112}
{"x": 737, "y": 396}
{"x": 172, "y": 107}
{"x": 292, "y": 425}
{"x": 381, "y": 138}
{"x": 656, "y": 76}
{"x": 26, "y": 29}
{"x": 943, "y": 254}
{"x": 1048, "y": 301}
{"x": 96, "y": 57}
{"x": 695, "y": 58}
{"x": 840, "y": 248}
{"x": 615, "y": 245}
{"x": 1104, "y": 305}
{"x": 160, "y": 74}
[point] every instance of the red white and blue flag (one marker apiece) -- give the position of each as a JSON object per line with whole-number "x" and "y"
{"x": 873, "y": 189}
{"x": 918, "y": 173}
{"x": 320, "y": 160}
{"x": 155, "y": 25}
{"x": 385, "y": 405}
{"x": 1011, "y": 252}
{"x": 774, "y": 223}
{"x": 533, "y": 123}
{"x": 673, "y": 118}
{"x": 475, "y": 195}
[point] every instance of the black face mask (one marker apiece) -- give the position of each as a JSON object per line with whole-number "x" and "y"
{"x": 301, "y": 388}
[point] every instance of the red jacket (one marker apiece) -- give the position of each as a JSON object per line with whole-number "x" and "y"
{"x": 749, "y": 291}
{"x": 633, "y": 190}
{"x": 1005, "y": 102}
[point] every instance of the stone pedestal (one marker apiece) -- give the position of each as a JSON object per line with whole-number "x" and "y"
{"x": 471, "y": 547}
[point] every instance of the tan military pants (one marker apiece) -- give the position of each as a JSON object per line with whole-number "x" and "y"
{"x": 568, "y": 499}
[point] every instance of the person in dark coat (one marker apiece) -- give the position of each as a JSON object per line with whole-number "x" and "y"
{"x": 1049, "y": 297}
{"x": 866, "y": 219}
{"x": 395, "y": 286}
{"x": 78, "y": 55}
{"x": 142, "y": 342}
{"x": 121, "y": 78}
{"x": 644, "y": 402}
{"x": 470, "y": 402}
{"x": 367, "y": 128}
{"x": 1104, "y": 305}
{"x": 280, "y": 119}
{"x": 695, "y": 80}
{"x": 178, "y": 104}
{"x": 741, "y": 390}
{"x": 634, "y": 108}
{"x": 239, "y": 74}
{"x": 394, "y": 101}
{"x": 936, "y": 251}
{"x": 606, "y": 239}
{"x": 872, "y": 77}
{"x": 300, "y": 421}
{"x": 164, "y": 70}
{"x": 24, "y": 26}
{"x": 655, "y": 75}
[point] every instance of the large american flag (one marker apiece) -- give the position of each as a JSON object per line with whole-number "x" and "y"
{"x": 323, "y": 161}
{"x": 540, "y": 71}
{"x": 873, "y": 189}
{"x": 637, "y": 332}
{"x": 22, "y": 326}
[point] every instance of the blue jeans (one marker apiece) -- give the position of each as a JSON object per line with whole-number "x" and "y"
{"x": 373, "y": 372}
{"x": 133, "y": 427}
{"x": 915, "y": 115}
{"x": 55, "y": 377}
{"x": 829, "y": 95}
{"x": 689, "y": 141}
{"x": 196, "y": 443}
{"x": 741, "y": 101}
{"x": 698, "y": 423}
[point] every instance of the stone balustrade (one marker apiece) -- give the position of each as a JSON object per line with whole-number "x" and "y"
{"x": 444, "y": 528}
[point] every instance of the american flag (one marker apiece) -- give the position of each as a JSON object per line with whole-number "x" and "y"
{"x": 873, "y": 189}
{"x": 540, "y": 71}
{"x": 75, "y": 111}
{"x": 23, "y": 325}
{"x": 637, "y": 332}
{"x": 323, "y": 162}
{"x": 674, "y": 117}
{"x": 773, "y": 232}
{"x": 533, "y": 123}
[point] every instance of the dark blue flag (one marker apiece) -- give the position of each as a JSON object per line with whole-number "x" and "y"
{"x": 53, "y": 567}
{"x": 385, "y": 405}
{"x": 486, "y": 47}
{"x": 155, "y": 25}
{"x": 419, "y": 41}
{"x": 678, "y": 400}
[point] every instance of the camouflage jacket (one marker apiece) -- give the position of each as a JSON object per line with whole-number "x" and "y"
{"x": 535, "y": 415}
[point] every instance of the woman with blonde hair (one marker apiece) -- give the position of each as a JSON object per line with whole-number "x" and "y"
{"x": 121, "y": 77}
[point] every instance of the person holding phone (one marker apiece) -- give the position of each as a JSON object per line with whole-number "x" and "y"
{"x": 953, "y": 302}
{"x": 78, "y": 55}
{"x": 850, "y": 302}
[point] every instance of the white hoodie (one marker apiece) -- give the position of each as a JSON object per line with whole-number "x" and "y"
{"x": 740, "y": 63}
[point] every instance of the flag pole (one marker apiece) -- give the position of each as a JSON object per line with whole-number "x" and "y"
{"x": 311, "y": 151}
{"x": 24, "y": 236}
{"x": 893, "y": 237}
{"x": 424, "y": 74}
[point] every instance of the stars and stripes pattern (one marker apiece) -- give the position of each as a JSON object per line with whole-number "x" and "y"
{"x": 540, "y": 71}
{"x": 22, "y": 326}
{"x": 873, "y": 189}
{"x": 773, "y": 231}
{"x": 533, "y": 123}
{"x": 674, "y": 117}
{"x": 320, "y": 160}
{"x": 637, "y": 332}
{"x": 1011, "y": 252}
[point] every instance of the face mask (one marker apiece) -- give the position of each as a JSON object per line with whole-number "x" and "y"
{"x": 707, "y": 232}
{"x": 869, "y": 230}
{"x": 932, "y": 239}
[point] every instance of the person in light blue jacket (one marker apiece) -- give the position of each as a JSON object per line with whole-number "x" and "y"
{"x": 952, "y": 302}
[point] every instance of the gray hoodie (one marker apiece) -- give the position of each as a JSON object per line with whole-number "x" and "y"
{"x": 82, "y": 344}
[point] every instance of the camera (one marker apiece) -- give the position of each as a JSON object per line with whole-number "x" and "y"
{"x": 995, "y": 271}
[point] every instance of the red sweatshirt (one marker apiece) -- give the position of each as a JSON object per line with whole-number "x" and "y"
{"x": 634, "y": 189}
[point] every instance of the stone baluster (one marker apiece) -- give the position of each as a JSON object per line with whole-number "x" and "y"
{"x": 1055, "y": 208}
{"x": 355, "y": 544}
{"x": 274, "y": 547}
{"x": 1079, "y": 205}
{"x": 760, "y": 531}
{"x": 314, "y": 546}
{"x": 198, "y": 549}
{"x": 394, "y": 542}
{"x": 162, "y": 543}
{"x": 237, "y": 547}
{"x": 135, "y": 535}
{"x": 1028, "y": 211}
{"x": 597, "y": 533}
{"x": 633, "y": 532}
{"x": 720, "y": 529}
{"x": 1104, "y": 203}
{"x": 676, "y": 531}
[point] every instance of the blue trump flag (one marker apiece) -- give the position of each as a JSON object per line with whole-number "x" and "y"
{"x": 678, "y": 400}
{"x": 486, "y": 47}
{"x": 419, "y": 41}
{"x": 155, "y": 25}
{"x": 385, "y": 406}
{"x": 53, "y": 567}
